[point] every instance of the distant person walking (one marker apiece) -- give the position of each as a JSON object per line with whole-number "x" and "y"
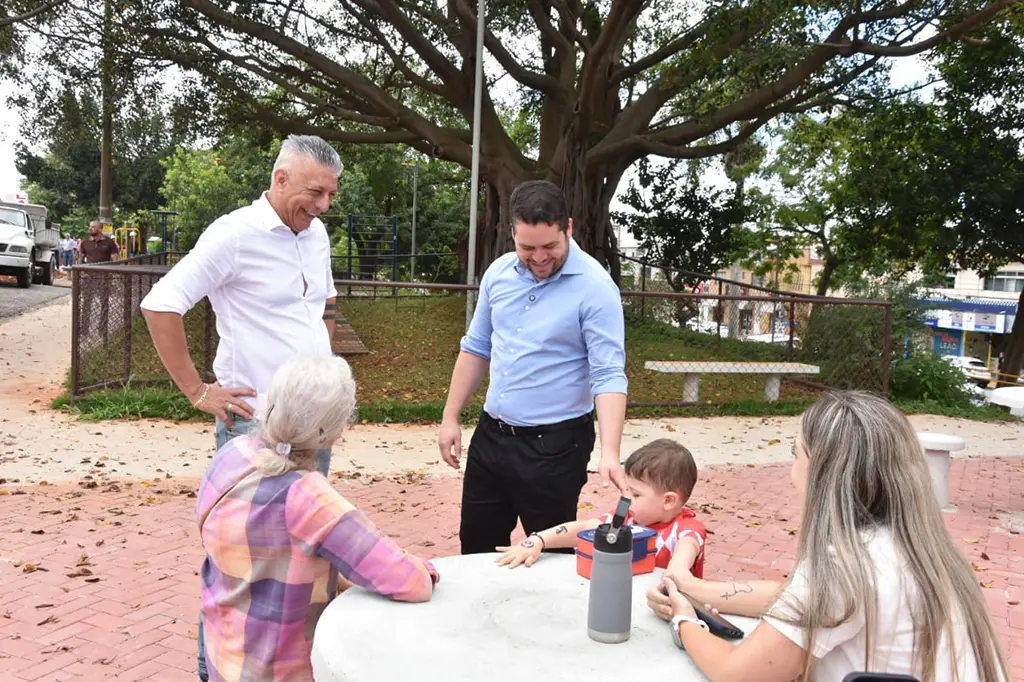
{"x": 266, "y": 269}
{"x": 68, "y": 248}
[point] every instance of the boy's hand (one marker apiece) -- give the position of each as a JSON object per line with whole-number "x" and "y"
{"x": 526, "y": 553}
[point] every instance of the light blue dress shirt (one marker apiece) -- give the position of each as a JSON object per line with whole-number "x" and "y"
{"x": 553, "y": 345}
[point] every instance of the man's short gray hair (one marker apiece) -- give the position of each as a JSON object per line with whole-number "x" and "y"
{"x": 309, "y": 147}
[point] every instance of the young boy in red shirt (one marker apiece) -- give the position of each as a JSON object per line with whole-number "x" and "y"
{"x": 660, "y": 477}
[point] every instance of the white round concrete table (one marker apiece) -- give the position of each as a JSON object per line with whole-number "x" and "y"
{"x": 1011, "y": 397}
{"x": 937, "y": 447}
{"x": 494, "y": 624}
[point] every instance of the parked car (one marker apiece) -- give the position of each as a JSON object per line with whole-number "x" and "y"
{"x": 976, "y": 370}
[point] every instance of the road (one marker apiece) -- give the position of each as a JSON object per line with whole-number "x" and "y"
{"x": 15, "y": 301}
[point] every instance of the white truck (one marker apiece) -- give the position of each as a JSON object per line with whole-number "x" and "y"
{"x": 28, "y": 244}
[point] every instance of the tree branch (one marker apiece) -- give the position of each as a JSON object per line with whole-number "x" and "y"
{"x": 45, "y": 7}
{"x": 531, "y": 79}
{"x": 359, "y": 84}
{"x": 396, "y": 59}
{"x": 673, "y": 47}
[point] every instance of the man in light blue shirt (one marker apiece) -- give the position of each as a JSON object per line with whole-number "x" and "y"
{"x": 549, "y": 323}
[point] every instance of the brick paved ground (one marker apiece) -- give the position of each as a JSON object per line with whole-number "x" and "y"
{"x": 114, "y": 590}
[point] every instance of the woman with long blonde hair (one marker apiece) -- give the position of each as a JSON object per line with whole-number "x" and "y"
{"x": 878, "y": 585}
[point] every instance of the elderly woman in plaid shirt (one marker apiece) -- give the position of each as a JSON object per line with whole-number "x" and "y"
{"x": 277, "y": 534}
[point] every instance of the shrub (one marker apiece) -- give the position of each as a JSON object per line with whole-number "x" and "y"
{"x": 927, "y": 378}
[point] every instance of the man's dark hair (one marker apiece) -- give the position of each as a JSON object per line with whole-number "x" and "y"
{"x": 539, "y": 201}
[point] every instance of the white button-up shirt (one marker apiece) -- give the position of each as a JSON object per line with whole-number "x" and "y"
{"x": 267, "y": 286}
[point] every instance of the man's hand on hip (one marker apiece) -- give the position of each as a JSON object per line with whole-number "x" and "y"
{"x": 225, "y": 403}
{"x": 610, "y": 469}
{"x": 449, "y": 440}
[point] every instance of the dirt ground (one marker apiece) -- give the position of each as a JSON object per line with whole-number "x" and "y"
{"x": 39, "y": 444}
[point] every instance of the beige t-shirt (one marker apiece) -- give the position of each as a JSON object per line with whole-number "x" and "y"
{"x": 840, "y": 650}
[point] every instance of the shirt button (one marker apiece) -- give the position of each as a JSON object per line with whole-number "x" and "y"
{"x": 519, "y": 329}
{"x": 502, "y": 395}
{"x": 527, "y": 307}
{"x": 506, "y": 372}
{"x": 532, "y": 298}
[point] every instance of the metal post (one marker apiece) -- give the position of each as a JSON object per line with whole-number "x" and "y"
{"x": 76, "y": 320}
{"x": 792, "y": 326}
{"x": 128, "y": 328}
{"x": 394, "y": 252}
{"x": 208, "y": 325}
{"x": 415, "y": 187}
{"x": 886, "y": 349}
{"x": 475, "y": 179}
{"x": 643, "y": 289}
{"x": 351, "y": 223}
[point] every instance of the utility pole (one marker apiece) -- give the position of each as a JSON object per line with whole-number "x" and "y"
{"x": 107, "y": 96}
{"x": 474, "y": 183}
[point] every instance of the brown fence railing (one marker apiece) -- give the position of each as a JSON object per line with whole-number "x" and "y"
{"x": 682, "y": 349}
{"x": 110, "y": 342}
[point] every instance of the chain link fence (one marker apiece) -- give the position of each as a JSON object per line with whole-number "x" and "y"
{"x": 110, "y": 341}
{"x": 682, "y": 349}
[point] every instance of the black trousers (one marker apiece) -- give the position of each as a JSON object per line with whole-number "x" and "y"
{"x": 534, "y": 474}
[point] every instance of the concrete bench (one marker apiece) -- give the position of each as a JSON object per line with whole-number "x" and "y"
{"x": 693, "y": 370}
{"x": 1011, "y": 397}
{"x": 937, "y": 449}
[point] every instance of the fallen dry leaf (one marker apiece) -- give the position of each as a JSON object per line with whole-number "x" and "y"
{"x": 987, "y": 584}
{"x": 92, "y": 580}
{"x": 30, "y": 568}
{"x": 984, "y": 557}
{"x": 976, "y": 567}
{"x": 970, "y": 541}
{"x": 49, "y": 619}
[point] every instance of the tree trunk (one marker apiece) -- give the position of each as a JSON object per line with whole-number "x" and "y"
{"x": 825, "y": 276}
{"x": 1014, "y": 357}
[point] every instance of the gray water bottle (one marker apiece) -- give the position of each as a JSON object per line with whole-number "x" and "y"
{"x": 609, "y": 614}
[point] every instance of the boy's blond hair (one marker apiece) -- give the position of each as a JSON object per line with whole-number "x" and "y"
{"x": 665, "y": 465}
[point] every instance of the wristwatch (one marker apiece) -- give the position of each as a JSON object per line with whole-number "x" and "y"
{"x": 678, "y": 620}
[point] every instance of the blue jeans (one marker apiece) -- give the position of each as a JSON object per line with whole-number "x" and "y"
{"x": 67, "y": 257}
{"x": 223, "y": 434}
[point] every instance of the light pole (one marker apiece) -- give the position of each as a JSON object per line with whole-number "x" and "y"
{"x": 474, "y": 188}
{"x": 415, "y": 186}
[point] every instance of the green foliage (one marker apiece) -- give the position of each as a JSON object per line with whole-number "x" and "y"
{"x": 684, "y": 228}
{"x": 927, "y": 378}
{"x": 846, "y": 343}
{"x": 200, "y": 188}
{"x": 66, "y": 176}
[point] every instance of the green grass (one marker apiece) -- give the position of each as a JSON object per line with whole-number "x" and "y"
{"x": 414, "y": 344}
{"x": 986, "y": 413}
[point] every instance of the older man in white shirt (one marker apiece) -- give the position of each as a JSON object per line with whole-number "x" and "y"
{"x": 266, "y": 269}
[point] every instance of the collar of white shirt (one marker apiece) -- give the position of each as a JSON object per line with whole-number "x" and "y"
{"x": 269, "y": 219}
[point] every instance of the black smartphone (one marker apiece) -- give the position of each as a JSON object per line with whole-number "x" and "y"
{"x": 878, "y": 677}
{"x": 717, "y": 624}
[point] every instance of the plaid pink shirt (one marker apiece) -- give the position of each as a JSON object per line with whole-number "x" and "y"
{"x": 274, "y": 547}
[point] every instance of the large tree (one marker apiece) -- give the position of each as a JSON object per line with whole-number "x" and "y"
{"x": 598, "y": 85}
{"x": 942, "y": 183}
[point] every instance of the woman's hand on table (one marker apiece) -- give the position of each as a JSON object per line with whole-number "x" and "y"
{"x": 679, "y": 605}
{"x": 525, "y": 553}
{"x": 659, "y": 599}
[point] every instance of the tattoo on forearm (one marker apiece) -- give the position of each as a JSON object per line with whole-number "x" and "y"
{"x": 561, "y": 530}
{"x": 737, "y": 589}
{"x": 529, "y": 544}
